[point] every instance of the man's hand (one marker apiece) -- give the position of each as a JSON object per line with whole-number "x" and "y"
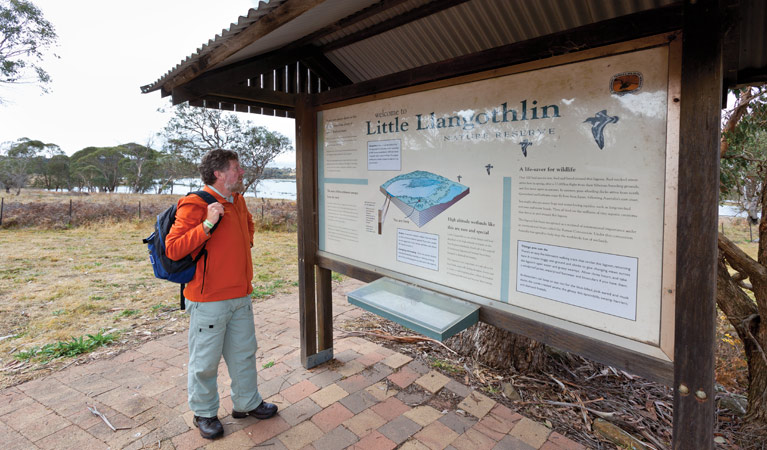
{"x": 215, "y": 211}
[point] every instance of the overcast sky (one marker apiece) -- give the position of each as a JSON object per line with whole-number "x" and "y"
{"x": 107, "y": 51}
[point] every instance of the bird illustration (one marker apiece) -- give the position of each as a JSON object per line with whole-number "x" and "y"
{"x": 488, "y": 167}
{"x": 459, "y": 178}
{"x": 598, "y": 124}
{"x": 524, "y": 145}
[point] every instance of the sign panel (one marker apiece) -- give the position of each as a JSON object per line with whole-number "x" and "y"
{"x": 543, "y": 189}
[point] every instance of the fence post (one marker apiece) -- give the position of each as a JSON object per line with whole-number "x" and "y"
{"x": 2, "y": 204}
{"x": 139, "y": 210}
{"x": 70, "y": 211}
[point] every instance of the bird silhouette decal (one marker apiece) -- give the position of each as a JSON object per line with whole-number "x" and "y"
{"x": 598, "y": 124}
{"x": 488, "y": 167}
{"x": 524, "y": 145}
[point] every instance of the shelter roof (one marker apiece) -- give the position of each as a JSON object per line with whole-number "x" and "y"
{"x": 295, "y": 46}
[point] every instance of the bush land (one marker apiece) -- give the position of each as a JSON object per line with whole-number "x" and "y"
{"x": 51, "y": 210}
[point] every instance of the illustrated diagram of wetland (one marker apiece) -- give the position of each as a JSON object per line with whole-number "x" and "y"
{"x": 421, "y": 195}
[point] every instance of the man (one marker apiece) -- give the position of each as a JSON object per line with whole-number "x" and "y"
{"x": 218, "y": 298}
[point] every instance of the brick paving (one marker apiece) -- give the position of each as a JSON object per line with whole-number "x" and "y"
{"x": 369, "y": 397}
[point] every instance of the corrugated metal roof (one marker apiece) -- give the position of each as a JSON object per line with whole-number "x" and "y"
{"x": 253, "y": 15}
{"x": 463, "y": 29}
{"x": 472, "y": 27}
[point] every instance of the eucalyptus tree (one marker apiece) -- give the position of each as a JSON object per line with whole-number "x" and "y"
{"x": 98, "y": 168}
{"x": 193, "y": 131}
{"x": 742, "y": 279}
{"x": 17, "y": 162}
{"x": 25, "y": 37}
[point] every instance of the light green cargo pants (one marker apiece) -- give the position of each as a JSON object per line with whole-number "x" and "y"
{"x": 215, "y": 329}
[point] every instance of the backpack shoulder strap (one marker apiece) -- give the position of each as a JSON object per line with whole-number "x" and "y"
{"x": 209, "y": 198}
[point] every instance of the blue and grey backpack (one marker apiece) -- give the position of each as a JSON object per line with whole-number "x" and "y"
{"x": 181, "y": 271}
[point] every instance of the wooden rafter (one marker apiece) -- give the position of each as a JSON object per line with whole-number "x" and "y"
{"x": 428, "y": 9}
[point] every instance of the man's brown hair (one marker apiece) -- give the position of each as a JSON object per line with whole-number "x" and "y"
{"x": 217, "y": 159}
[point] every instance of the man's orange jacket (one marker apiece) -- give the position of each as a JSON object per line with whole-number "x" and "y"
{"x": 228, "y": 271}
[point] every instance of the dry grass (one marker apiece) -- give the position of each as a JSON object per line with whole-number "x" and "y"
{"x": 61, "y": 283}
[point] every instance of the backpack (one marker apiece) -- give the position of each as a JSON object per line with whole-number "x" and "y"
{"x": 181, "y": 271}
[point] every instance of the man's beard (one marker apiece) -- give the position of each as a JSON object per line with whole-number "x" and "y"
{"x": 238, "y": 187}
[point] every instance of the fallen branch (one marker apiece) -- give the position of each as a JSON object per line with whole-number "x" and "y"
{"x": 604, "y": 415}
{"x": 389, "y": 337}
{"x": 104, "y": 418}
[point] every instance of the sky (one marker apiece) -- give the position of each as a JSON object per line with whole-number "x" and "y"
{"x": 107, "y": 50}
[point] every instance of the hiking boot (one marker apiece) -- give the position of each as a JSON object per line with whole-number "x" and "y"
{"x": 263, "y": 411}
{"x": 210, "y": 427}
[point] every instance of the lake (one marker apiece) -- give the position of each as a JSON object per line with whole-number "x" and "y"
{"x": 269, "y": 188}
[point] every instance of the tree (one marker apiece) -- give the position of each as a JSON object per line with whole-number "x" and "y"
{"x": 261, "y": 146}
{"x": 194, "y": 131}
{"x": 17, "y": 163}
{"x": 171, "y": 166}
{"x": 98, "y": 168}
{"x": 198, "y": 130}
{"x": 743, "y": 176}
{"x": 25, "y": 36}
{"x": 139, "y": 166}
{"x": 51, "y": 167}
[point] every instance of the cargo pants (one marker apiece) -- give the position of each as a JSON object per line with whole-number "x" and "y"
{"x": 222, "y": 328}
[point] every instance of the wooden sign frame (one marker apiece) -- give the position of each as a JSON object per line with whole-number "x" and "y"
{"x": 692, "y": 372}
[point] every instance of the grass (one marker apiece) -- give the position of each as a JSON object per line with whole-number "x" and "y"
{"x": 72, "y": 347}
{"x": 267, "y": 290}
{"x": 445, "y": 366}
{"x": 60, "y": 283}
{"x": 268, "y": 365}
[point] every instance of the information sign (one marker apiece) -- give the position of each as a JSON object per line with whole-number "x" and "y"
{"x": 544, "y": 189}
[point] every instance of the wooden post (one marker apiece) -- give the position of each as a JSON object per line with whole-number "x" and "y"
{"x": 70, "y": 211}
{"x": 696, "y": 230}
{"x": 324, "y": 310}
{"x": 2, "y": 205}
{"x": 307, "y": 240}
{"x": 139, "y": 210}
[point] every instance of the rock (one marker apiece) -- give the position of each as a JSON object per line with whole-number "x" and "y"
{"x": 510, "y": 393}
{"x": 735, "y": 403}
{"x": 617, "y": 436}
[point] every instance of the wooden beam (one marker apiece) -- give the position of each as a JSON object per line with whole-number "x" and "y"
{"x": 306, "y": 184}
{"x": 219, "y": 99}
{"x": 315, "y": 60}
{"x": 433, "y": 7}
{"x": 256, "y": 95}
{"x": 279, "y": 16}
{"x": 366, "y": 13}
{"x": 730, "y": 44}
{"x": 624, "y": 28}
{"x": 699, "y": 139}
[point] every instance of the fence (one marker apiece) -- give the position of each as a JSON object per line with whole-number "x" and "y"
{"x": 268, "y": 215}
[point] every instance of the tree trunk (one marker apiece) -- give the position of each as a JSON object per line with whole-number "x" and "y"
{"x": 499, "y": 348}
{"x": 743, "y": 314}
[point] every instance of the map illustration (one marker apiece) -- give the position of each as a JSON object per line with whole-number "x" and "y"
{"x": 421, "y": 195}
